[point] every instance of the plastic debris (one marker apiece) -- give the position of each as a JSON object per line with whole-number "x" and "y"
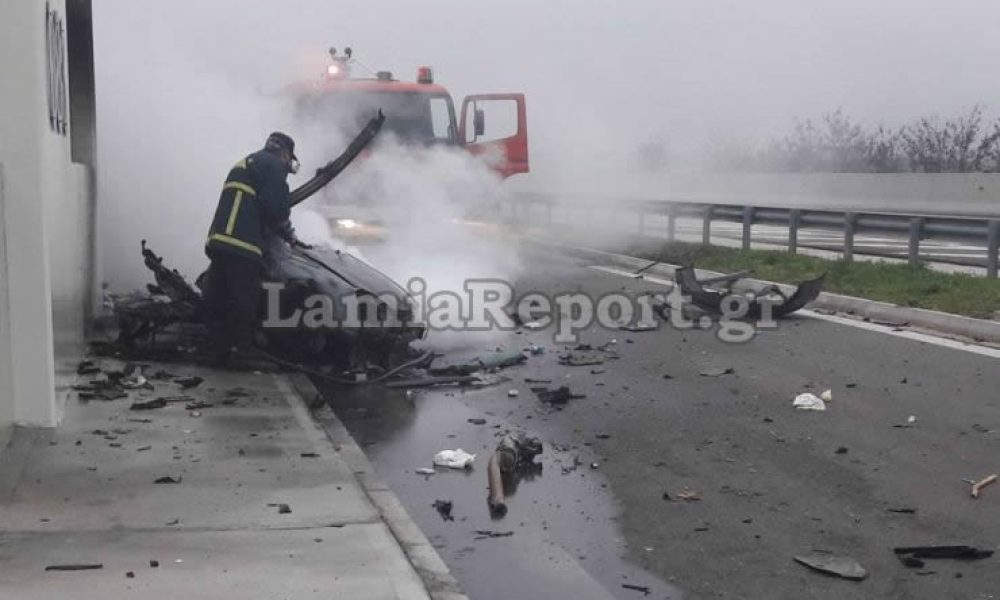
{"x": 425, "y": 471}
{"x": 189, "y": 382}
{"x": 560, "y": 395}
{"x": 841, "y": 566}
{"x": 717, "y": 371}
{"x": 443, "y": 507}
{"x": 827, "y": 396}
{"x": 485, "y": 534}
{"x": 167, "y": 479}
{"x": 914, "y": 556}
{"x": 149, "y": 404}
{"x": 809, "y": 401}
{"x": 689, "y": 495}
{"x": 74, "y": 567}
{"x": 454, "y": 459}
{"x": 513, "y": 393}
{"x": 979, "y": 485}
{"x": 638, "y": 588}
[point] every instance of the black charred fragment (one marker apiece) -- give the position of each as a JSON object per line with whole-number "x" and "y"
{"x": 443, "y": 507}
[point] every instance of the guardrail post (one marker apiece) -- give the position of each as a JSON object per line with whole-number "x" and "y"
{"x": 916, "y": 228}
{"x": 794, "y": 220}
{"x": 671, "y": 222}
{"x": 747, "y": 225}
{"x": 706, "y": 227}
{"x": 992, "y": 246}
{"x": 850, "y": 225}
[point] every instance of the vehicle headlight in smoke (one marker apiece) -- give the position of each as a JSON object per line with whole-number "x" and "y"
{"x": 347, "y": 223}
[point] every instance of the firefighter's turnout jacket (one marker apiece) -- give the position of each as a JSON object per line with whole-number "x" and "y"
{"x": 253, "y": 206}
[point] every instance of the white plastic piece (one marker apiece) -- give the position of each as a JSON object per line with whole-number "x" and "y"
{"x": 454, "y": 459}
{"x": 827, "y": 396}
{"x": 512, "y": 393}
{"x": 809, "y": 402}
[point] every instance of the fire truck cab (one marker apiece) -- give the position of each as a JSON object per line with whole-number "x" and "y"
{"x": 493, "y": 126}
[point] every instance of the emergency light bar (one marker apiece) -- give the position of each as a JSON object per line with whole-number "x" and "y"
{"x": 425, "y": 75}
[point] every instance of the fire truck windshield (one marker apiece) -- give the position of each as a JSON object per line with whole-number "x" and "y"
{"x": 413, "y": 117}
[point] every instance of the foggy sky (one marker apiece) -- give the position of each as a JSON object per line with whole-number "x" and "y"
{"x": 187, "y": 87}
{"x": 599, "y": 72}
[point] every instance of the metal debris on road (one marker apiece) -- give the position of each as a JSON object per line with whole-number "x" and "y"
{"x": 189, "y": 382}
{"x": 841, "y": 566}
{"x": 443, "y": 507}
{"x": 283, "y": 509}
{"x": 167, "y": 479}
{"x": 979, "y": 485}
{"x": 198, "y": 405}
{"x": 914, "y": 556}
{"x": 75, "y": 567}
{"x": 717, "y": 371}
{"x": 809, "y": 401}
{"x": 149, "y": 404}
{"x": 560, "y": 395}
{"x": 579, "y": 360}
{"x": 638, "y": 588}
{"x": 902, "y": 510}
{"x": 711, "y": 300}
{"x": 425, "y": 471}
{"x": 477, "y": 421}
{"x": 486, "y": 534}
{"x": 513, "y": 393}
{"x": 454, "y": 459}
{"x": 689, "y": 495}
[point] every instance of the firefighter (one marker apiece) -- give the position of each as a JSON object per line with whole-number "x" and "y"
{"x": 253, "y": 207}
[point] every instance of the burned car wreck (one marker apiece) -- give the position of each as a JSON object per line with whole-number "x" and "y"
{"x": 319, "y": 306}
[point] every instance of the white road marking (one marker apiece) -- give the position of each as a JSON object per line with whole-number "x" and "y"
{"x": 805, "y": 312}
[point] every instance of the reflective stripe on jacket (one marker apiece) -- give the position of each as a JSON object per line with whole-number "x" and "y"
{"x": 253, "y": 204}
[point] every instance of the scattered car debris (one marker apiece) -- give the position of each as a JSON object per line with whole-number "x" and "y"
{"x": 485, "y": 362}
{"x": 639, "y": 327}
{"x": 162, "y": 375}
{"x": 153, "y": 564}
{"x": 689, "y": 495}
{"x": 711, "y": 300}
{"x": 914, "y": 556}
{"x": 903, "y": 510}
{"x": 75, "y": 567}
{"x": 187, "y": 383}
{"x": 167, "y": 479}
{"x": 808, "y": 401}
{"x": 717, "y": 371}
{"x": 513, "y": 393}
{"x": 516, "y": 452}
{"x": 454, "y": 459}
{"x": 536, "y": 350}
{"x": 560, "y": 395}
{"x": 580, "y": 360}
{"x": 477, "y": 421}
{"x": 143, "y": 448}
{"x": 283, "y": 509}
{"x": 841, "y": 566}
{"x": 483, "y": 534}
{"x": 432, "y": 381}
{"x": 149, "y": 404}
{"x": 443, "y": 507}
{"x": 826, "y": 396}
{"x": 198, "y": 405}
{"x": 841, "y": 450}
{"x": 979, "y": 485}
{"x": 530, "y": 380}
{"x": 425, "y": 471}
{"x": 910, "y": 422}
{"x": 638, "y": 588}
{"x": 87, "y": 367}
{"x": 309, "y": 455}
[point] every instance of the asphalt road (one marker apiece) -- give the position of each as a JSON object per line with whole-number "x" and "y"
{"x": 774, "y": 482}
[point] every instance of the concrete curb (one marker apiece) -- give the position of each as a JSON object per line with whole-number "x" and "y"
{"x": 979, "y": 330}
{"x": 440, "y": 583}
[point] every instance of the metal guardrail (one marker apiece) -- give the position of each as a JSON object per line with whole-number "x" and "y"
{"x": 979, "y": 230}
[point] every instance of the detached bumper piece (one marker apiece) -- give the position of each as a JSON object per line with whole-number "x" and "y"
{"x": 711, "y": 299}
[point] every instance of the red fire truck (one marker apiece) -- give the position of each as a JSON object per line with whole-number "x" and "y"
{"x": 420, "y": 113}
